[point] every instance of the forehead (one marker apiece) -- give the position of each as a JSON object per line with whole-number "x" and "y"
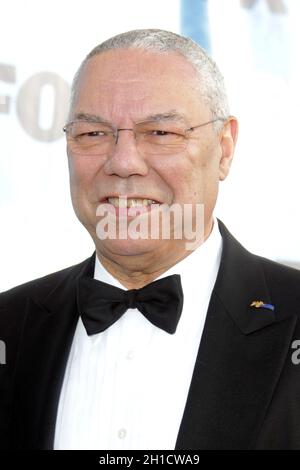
{"x": 136, "y": 82}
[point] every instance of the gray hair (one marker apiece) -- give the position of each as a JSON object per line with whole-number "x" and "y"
{"x": 160, "y": 41}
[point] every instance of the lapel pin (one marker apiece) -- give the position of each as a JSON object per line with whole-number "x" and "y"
{"x": 261, "y": 304}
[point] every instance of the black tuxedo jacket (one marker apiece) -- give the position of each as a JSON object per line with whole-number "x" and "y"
{"x": 245, "y": 390}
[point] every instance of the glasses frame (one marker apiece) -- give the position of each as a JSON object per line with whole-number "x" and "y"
{"x": 116, "y": 130}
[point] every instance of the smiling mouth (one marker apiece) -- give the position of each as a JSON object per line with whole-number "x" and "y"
{"x": 124, "y": 202}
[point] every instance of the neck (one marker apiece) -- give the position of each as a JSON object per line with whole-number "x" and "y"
{"x": 138, "y": 270}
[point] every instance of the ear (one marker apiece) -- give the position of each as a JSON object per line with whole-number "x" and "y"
{"x": 228, "y": 138}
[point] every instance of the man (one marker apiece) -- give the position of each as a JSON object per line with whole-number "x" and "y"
{"x": 150, "y": 344}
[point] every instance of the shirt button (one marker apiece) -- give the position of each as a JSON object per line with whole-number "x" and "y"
{"x": 130, "y": 355}
{"x": 122, "y": 433}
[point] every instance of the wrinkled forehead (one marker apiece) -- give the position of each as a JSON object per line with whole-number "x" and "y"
{"x": 135, "y": 83}
{"x": 120, "y": 65}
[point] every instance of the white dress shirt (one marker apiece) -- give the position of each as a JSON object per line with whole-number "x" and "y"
{"x": 126, "y": 388}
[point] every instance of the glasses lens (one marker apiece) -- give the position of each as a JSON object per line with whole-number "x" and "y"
{"x": 160, "y": 138}
{"x": 90, "y": 138}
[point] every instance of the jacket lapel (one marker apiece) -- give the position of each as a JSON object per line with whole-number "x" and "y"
{"x": 45, "y": 345}
{"x": 240, "y": 358}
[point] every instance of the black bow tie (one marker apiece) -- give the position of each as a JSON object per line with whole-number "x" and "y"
{"x": 100, "y": 304}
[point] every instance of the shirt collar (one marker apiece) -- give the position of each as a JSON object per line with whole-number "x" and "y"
{"x": 202, "y": 264}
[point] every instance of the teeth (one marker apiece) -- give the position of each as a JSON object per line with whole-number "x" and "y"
{"x": 130, "y": 202}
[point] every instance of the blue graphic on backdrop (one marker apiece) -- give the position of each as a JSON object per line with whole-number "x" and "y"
{"x": 195, "y": 21}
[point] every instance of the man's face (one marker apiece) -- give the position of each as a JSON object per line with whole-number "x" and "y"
{"x": 125, "y": 87}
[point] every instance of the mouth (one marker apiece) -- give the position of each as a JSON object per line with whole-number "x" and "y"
{"x": 128, "y": 202}
{"x": 130, "y": 206}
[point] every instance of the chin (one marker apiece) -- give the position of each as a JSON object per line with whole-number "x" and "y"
{"x": 128, "y": 247}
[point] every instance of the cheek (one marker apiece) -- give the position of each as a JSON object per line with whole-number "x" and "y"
{"x": 82, "y": 171}
{"x": 205, "y": 161}
{"x": 173, "y": 170}
{"x": 196, "y": 175}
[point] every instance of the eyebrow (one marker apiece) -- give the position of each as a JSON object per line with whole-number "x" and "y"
{"x": 172, "y": 115}
{"x": 89, "y": 117}
{"x": 168, "y": 116}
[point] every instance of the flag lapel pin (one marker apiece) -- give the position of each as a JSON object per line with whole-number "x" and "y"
{"x": 261, "y": 304}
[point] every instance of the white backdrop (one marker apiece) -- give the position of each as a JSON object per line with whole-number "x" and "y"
{"x": 41, "y": 46}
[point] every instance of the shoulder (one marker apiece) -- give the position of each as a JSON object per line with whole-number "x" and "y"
{"x": 283, "y": 281}
{"x": 14, "y": 302}
{"x": 43, "y": 286}
{"x": 280, "y": 273}
{"x": 248, "y": 270}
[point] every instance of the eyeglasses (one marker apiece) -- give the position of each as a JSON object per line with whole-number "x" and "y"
{"x": 152, "y": 138}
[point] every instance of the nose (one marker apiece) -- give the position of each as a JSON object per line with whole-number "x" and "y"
{"x": 125, "y": 160}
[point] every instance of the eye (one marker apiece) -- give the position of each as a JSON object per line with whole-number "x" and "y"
{"x": 94, "y": 133}
{"x": 161, "y": 133}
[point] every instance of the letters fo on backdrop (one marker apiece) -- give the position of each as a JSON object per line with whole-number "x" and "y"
{"x": 29, "y": 101}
